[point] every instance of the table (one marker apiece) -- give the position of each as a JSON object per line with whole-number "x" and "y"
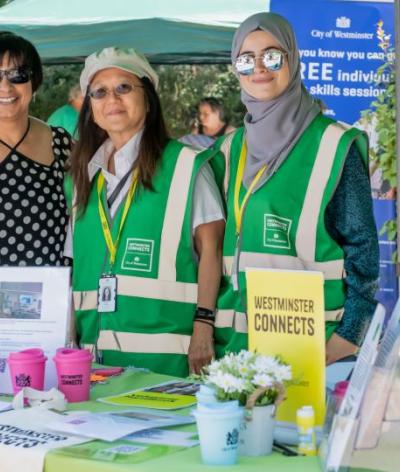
{"x": 187, "y": 460}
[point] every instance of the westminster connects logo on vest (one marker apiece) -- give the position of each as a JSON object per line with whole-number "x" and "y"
{"x": 276, "y": 231}
{"x": 138, "y": 254}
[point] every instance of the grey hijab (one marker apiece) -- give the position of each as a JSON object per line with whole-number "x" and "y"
{"x": 273, "y": 127}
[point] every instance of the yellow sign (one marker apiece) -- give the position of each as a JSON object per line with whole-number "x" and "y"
{"x": 286, "y": 318}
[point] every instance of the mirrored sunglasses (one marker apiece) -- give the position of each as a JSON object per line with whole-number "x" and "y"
{"x": 21, "y": 75}
{"x": 120, "y": 89}
{"x": 272, "y": 59}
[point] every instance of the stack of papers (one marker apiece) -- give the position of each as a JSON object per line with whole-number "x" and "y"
{"x": 115, "y": 425}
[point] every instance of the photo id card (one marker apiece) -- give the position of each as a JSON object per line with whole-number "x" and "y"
{"x": 107, "y": 294}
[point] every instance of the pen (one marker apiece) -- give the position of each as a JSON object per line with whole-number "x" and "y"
{"x": 286, "y": 451}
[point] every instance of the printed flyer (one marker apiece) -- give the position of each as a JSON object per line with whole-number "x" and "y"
{"x": 34, "y": 313}
{"x": 24, "y": 439}
{"x": 166, "y": 396}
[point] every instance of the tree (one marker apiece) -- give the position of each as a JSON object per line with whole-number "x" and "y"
{"x": 181, "y": 88}
{"x": 382, "y": 116}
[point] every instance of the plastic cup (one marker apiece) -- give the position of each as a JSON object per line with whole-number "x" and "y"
{"x": 27, "y": 369}
{"x": 219, "y": 435}
{"x": 339, "y": 392}
{"x": 73, "y": 373}
{"x": 206, "y": 394}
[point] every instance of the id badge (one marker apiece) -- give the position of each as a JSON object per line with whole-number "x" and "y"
{"x": 107, "y": 294}
{"x": 235, "y": 270}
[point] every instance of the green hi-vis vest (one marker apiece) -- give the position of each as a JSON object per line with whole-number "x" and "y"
{"x": 283, "y": 223}
{"x": 155, "y": 268}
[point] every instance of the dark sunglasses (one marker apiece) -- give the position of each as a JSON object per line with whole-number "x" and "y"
{"x": 21, "y": 75}
{"x": 272, "y": 59}
{"x": 120, "y": 89}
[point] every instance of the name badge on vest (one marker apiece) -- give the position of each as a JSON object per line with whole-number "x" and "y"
{"x": 107, "y": 294}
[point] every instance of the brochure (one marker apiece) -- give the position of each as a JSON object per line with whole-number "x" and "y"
{"x": 25, "y": 439}
{"x": 119, "y": 452}
{"x": 337, "y": 449}
{"x": 34, "y": 313}
{"x": 4, "y": 406}
{"x": 164, "y": 436}
{"x": 112, "y": 426}
{"x": 165, "y": 396}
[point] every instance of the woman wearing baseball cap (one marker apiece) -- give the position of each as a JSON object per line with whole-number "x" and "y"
{"x": 147, "y": 223}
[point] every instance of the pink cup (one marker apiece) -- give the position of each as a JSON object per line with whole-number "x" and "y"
{"x": 73, "y": 373}
{"x": 27, "y": 369}
{"x": 339, "y": 392}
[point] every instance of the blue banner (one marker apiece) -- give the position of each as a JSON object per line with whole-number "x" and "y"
{"x": 339, "y": 50}
{"x": 340, "y": 55}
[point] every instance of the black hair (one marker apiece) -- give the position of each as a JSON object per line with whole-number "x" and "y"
{"x": 215, "y": 106}
{"x": 155, "y": 138}
{"x": 22, "y": 53}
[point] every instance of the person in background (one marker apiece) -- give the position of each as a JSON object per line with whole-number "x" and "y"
{"x": 33, "y": 210}
{"x": 147, "y": 221}
{"x": 212, "y": 119}
{"x": 290, "y": 167}
{"x": 67, "y": 116}
{"x": 210, "y": 124}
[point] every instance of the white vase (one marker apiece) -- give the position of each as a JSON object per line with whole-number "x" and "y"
{"x": 257, "y": 431}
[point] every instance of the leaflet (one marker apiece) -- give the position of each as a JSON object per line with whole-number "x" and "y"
{"x": 115, "y": 425}
{"x": 34, "y": 313}
{"x": 24, "y": 439}
{"x": 165, "y": 396}
{"x": 167, "y": 437}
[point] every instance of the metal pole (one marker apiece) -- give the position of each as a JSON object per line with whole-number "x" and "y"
{"x": 397, "y": 72}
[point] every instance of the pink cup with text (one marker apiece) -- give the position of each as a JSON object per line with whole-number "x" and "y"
{"x": 27, "y": 369}
{"x": 73, "y": 373}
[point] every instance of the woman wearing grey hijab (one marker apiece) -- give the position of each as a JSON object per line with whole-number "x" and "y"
{"x": 297, "y": 191}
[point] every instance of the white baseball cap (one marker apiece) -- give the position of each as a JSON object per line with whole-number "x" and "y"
{"x": 127, "y": 59}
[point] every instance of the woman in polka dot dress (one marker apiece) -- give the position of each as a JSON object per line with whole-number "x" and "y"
{"x": 32, "y": 158}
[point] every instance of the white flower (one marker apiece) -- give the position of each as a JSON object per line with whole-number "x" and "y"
{"x": 284, "y": 372}
{"x": 266, "y": 364}
{"x": 263, "y": 380}
{"x": 227, "y": 382}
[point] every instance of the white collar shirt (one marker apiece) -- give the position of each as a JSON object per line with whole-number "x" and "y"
{"x": 124, "y": 159}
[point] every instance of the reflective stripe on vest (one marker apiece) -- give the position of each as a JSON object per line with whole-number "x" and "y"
{"x": 175, "y": 214}
{"x": 229, "y": 318}
{"x": 306, "y": 236}
{"x": 132, "y": 286}
{"x": 332, "y": 270}
{"x": 158, "y": 343}
{"x": 226, "y": 152}
{"x": 165, "y": 287}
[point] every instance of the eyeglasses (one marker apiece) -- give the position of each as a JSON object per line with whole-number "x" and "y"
{"x": 272, "y": 60}
{"x": 120, "y": 89}
{"x": 21, "y": 75}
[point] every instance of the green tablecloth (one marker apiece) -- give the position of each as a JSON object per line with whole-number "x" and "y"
{"x": 180, "y": 461}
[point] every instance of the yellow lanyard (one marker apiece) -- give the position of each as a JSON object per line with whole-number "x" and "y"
{"x": 112, "y": 247}
{"x": 239, "y": 177}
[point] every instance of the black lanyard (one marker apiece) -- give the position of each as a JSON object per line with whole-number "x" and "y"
{"x": 118, "y": 189}
{"x": 13, "y": 148}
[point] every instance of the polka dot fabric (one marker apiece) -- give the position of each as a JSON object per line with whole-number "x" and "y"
{"x": 33, "y": 210}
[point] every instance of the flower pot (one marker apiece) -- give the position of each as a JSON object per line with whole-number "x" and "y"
{"x": 257, "y": 431}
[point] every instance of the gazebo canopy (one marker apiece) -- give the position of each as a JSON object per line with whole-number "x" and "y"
{"x": 167, "y": 31}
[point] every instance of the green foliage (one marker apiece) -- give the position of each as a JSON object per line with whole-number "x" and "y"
{"x": 382, "y": 116}
{"x": 181, "y": 87}
{"x": 57, "y": 81}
